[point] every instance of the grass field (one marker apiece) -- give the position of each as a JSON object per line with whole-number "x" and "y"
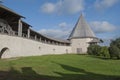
{"x": 59, "y": 67}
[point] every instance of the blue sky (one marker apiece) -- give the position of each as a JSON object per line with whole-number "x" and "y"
{"x": 58, "y": 17}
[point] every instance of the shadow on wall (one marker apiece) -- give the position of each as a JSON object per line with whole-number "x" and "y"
{"x": 27, "y": 73}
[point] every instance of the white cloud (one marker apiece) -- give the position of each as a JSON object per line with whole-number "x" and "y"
{"x": 63, "y": 24}
{"x": 102, "y": 4}
{"x": 56, "y": 33}
{"x": 63, "y": 6}
{"x": 102, "y": 27}
{"x": 63, "y": 31}
{"x": 48, "y": 8}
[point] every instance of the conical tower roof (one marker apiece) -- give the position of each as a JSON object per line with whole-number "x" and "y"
{"x": 81, "y": 30}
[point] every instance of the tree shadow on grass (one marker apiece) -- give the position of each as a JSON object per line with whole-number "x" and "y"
{"x": 27, "y": 73}
{"x": 81, "y": 74}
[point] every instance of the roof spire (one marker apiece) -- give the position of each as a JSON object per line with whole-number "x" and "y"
{"x": 81, "y": 29}
{"x": 81, "y": 14}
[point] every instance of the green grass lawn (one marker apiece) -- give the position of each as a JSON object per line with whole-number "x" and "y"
{"x": 59, "y": 67}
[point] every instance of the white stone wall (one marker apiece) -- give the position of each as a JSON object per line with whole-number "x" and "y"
{"x": 17, "y": 47}
{"x": 81, "y": 43}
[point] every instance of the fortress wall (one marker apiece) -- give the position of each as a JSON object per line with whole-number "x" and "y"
{"x": 11, "y": 46}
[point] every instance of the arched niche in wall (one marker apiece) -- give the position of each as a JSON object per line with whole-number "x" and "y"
{"x": 4, "y": 51}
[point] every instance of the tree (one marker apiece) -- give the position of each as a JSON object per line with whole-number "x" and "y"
{"x": 93, "y": 50}
{"x": 114, "y": 49}
{"x": 116, "y": 42}
{"x": 104, "y": 52}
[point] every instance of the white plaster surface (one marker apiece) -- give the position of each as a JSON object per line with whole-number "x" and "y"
{"x": 18, "y": 47}
{"x": 81, "y": 43}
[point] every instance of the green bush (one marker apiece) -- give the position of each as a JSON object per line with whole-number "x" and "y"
{"x": 94, "y": 50}
{"x": 104, "y": 52}
{"x": 112, "y": 52}
{"x": 99, "y": 51}
{"x": 90, "y": 49}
